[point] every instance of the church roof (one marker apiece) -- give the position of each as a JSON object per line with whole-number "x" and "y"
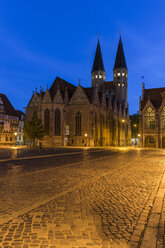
{"x": 62, "y": 85}
{"x": 8, "y": 107}
{"x": 98, "y": 61}
{"x": 109, "y": 85}
{"x": 154, "y": 95}
{"x": 120, "y": 57}
{"x": 89, "y": 93}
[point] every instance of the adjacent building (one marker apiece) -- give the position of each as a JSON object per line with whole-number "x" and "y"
{"x": 10, "y": 120}
{"x": 93, "y": 116}
{"x": 152, "y": 117}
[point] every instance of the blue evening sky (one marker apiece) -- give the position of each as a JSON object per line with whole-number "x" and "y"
{"x": 40, "y": 40}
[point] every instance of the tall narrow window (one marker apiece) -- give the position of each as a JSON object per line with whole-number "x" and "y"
{"x": 57, "y": 129}
{"x": 47, "y": 121}
{"x": 78, "y": 124}
{"x": 149, "y": 118}
{"x": 163, "y": 118}
{"x": 96, "y": 130}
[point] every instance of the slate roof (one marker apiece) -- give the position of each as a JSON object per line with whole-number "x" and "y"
{"x": 98, "y": 61}
{"x": 20, "y": 113}
{"x": 62, "y": 84}
{"x": 8, "y": 107}
{"x": 154, "y": 95}
{"x": 89, "y": 93}
{"x": 109, "y": 85}
{"x": 120, "y": 57}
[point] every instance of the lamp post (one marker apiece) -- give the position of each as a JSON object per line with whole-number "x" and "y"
{"x": 15, "y": 137}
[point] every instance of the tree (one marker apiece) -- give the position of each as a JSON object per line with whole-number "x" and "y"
{"x": 33, "y": 129}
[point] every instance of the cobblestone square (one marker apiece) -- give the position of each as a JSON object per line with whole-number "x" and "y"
{"x": 104, "y": 198}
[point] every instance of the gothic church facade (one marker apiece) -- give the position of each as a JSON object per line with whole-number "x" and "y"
{"x": 152, "y": 117}
{"x": 94, "y": 116}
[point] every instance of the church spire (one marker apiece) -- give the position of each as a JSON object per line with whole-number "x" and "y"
{"x": 98, "y": 61}
{"x": 98, "y": 71}
{"x": 120, "y": 74}
{"x": 120, "y": 57}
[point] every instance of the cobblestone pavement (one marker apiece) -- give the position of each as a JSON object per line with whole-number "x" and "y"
{"x": 101, "y": 203}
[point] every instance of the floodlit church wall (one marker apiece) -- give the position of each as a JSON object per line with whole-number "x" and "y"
{"x": 85, "y": 136}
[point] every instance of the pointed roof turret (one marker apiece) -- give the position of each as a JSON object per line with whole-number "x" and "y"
{"x": 98, "y": 61}
{"x": 120, "y": 57}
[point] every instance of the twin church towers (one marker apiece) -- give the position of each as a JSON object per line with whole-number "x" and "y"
{"x": 120, "y": 73}
{"x": 80, "y": 116}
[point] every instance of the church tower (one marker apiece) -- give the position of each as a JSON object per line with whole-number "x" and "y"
{"x": 98, "y": 71}
{"x": 120, "y": 74}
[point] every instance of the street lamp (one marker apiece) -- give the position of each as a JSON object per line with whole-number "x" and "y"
{"x": 122, "y": 120}
{"x": 85, "y": 134}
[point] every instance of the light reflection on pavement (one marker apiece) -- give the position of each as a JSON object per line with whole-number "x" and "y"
{"x": 98, "y": 195}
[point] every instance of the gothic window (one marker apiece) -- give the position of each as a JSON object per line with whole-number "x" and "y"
{"x": 96, "y": 130}
{"x": 149, "y": 118}
{"x": 163, "y": 118}
{"x": 78, "y": 124}
{"x": 57, "y": 130}
{"x": 47, "y": 121}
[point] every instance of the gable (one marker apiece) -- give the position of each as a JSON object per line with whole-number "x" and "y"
{"x": 79, "y": 97}
{"x": 47, "y": 97}
{"x": 96, "y": 100}
{"x": 34, "y": 100}
{"x": 58, "y": 98}
{"x": 103, "y": 102}
{"x": 1, "y": 102}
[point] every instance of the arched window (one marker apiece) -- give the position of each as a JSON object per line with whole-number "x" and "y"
{"x": 163, "y": 118}
{"x": 57, "y": 128}
{"x": 78, "y": 124}
{"x": 149, "y": 118}
{"x": 96, "y": 130}
{"x": 47, "y": 121}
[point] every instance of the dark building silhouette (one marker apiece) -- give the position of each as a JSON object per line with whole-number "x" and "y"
{"x": 80, "y": 116}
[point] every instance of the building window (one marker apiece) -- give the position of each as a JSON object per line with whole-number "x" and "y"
{"x": 96, "y": 130}
{"x": 114, "y": 74}
{"x": 123, "y": 84}
{"x": 6, "y": 138}
{"x": 100, "y": 76}
{"x": 126, "y": 75}
{"x": 118, "y": 84}
{"x": 47, "y": 121}
{"x": 96, "y": 76}
{"x": 57, "y": 130}
{"x": 163, "y": 118}
{"x": 78, "y": 124}
{"x": 149, "y": 118}
{"x": 10, "y": 138}
{"x": 123, "y": 74}
{"x": 118, "y": 74}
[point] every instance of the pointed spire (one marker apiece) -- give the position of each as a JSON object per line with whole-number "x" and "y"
{"x": 98, "y": 61}
{"x": 120, "y": 57}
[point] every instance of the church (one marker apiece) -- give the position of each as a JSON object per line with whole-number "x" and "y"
{"x": 152, "y": 117}
{"x": 93, "y": 116}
